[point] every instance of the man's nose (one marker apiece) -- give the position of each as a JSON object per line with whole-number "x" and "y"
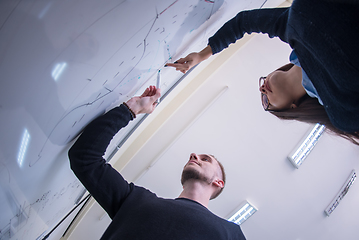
{"x": 193, "y": 156}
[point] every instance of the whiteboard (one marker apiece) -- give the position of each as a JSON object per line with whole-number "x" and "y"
{"x": 62, "y": 64}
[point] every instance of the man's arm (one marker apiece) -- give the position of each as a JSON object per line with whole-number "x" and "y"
{"x": 103, "y": 182}
{"x": 271, "y": 21}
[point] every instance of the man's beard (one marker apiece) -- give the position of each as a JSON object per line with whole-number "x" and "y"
{"x": 193, "y": 174}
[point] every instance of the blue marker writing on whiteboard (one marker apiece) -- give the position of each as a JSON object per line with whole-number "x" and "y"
{"x": 158, "y": 84}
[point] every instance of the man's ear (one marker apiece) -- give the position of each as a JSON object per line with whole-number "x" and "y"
{"x": 219, "y": 183}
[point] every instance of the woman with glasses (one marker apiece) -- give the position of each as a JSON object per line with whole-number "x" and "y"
{"x": 321, "y": 83}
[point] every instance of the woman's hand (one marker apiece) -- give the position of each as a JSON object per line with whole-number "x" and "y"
{"x": 191, "y": 60}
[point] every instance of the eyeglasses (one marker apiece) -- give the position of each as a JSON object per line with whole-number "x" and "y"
{"x": 265, "y": 101}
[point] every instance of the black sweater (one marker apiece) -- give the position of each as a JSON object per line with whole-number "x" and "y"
{"x": 136, "y": 212}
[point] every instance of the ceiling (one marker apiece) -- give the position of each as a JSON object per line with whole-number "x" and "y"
{"x": 217, "y": 109}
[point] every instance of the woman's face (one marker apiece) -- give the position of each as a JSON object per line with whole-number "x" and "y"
{"x": 281, "y": 89}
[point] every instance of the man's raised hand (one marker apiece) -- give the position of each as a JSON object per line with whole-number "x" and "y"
{"x": 147, "y": 102}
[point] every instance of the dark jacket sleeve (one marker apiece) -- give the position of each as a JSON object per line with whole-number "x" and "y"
{"x": 103, "y": 182}
{"x": 271, "y": 21}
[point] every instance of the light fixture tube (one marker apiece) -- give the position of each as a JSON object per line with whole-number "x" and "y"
{"x": 343, "y": 191}
{"x": 246, "y": 210}
{"x": 58, "y": 70}
{"x": 23, "y": 147}
{"x": 306, "y": 146}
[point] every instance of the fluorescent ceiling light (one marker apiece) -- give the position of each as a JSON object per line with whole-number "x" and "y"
{"x": 23, "y": 147}
{"x": 306, "y": 146}
{"x": 246, "y": 210}
{"x": 44, "y": 10}
{"x": 58, "y": 70}
{"x": 343, "y": 191}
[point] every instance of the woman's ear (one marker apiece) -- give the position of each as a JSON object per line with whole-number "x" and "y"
{"x": 293, "y": 105}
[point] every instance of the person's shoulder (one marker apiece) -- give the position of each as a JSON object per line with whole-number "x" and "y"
{"x": 139, "y": 190}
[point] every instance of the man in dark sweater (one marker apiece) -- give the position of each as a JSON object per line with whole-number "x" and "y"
{"x": 136, "y": 212}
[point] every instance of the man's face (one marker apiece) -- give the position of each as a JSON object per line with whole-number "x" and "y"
{"x": 202, "y": 167}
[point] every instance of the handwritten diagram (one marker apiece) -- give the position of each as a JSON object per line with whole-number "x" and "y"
{"x": 62, "y": 64}
{"x": 104, "y": 55}
{"x": 131, "y": 64}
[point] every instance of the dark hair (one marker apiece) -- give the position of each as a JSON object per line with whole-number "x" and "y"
{"x": 216, "y": 194}
{"x": 309, "y": 110}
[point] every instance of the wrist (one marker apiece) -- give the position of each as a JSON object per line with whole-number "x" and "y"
{"x": 206, "y": 52}
{"x": 130, "y": 108}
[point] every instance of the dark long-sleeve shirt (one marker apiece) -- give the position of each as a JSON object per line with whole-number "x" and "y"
{"x": 323, "y": 34}
{"x": 136, "y": 212}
